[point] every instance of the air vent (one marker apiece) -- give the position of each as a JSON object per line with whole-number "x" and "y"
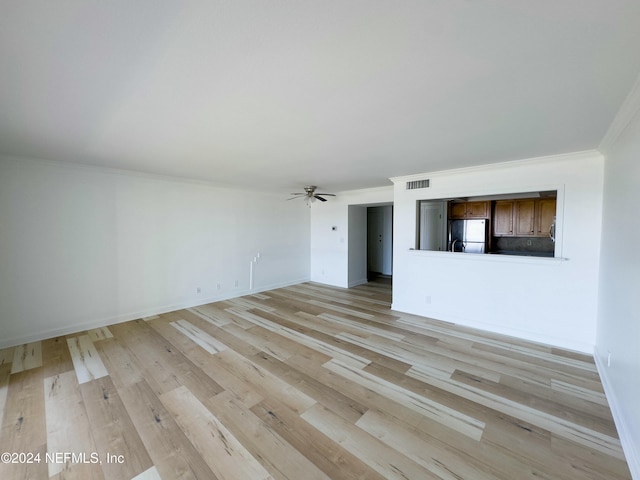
{"x": 418, "y": 184}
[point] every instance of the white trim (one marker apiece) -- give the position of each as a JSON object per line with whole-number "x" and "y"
{"x": 629, "y": 109}
{"x": 125, "y": 317}
{"x": 361, "y": 191}
{"x": 630, "y": 448}
{"x": 362, "y": 281}
{"x": 492, "y": 166}
{"x": 157, "y": 177}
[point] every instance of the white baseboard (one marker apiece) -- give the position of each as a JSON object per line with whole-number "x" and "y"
{"x": 630, "y": 445}
{"x": 125, "y": 317}
{"x": 362, "y": 281}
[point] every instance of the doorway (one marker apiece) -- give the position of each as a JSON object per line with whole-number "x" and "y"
{"x": 380, "y": 243}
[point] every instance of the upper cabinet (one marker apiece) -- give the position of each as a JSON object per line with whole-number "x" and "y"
{"x": 546, "y": 216}
{"x": 524, "y": 218}
{"x": 464, "y": 210}
{"x": 457, "y": 210}
{"x": 503, "y": 218}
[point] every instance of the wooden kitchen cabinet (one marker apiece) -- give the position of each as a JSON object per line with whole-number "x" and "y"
{"x": 503, "y": 218}
{"x": 546, "y": 213}
{"x": 477, "y": 209}
{"x": 523, "y": 218}
{"x": 457, "y": 210}
{"x": 466, "y": 210}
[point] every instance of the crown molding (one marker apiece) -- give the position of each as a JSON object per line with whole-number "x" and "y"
{"x": 104, "y": 170}
{"x": 573, "y": 156}
{"x": 361, "y": 191}
{"x": 629, "y": 110}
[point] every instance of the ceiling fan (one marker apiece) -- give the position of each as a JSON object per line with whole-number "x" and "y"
{"x": 310, "y": 195}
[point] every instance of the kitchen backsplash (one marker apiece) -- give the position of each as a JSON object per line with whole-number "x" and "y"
{"x": 520, "y": 244}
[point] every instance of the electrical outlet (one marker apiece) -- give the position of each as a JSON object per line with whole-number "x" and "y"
{"x": 198, "y": 290}
{"x": 608, "y": 358}
{"x": 427, "y": 299}
{"x": 218, "y": 286}
{"x": 237, "y": 283}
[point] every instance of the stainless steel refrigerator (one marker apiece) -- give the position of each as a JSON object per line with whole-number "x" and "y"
{"x": 468, "y": 236}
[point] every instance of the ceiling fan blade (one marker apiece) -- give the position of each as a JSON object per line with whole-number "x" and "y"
{"x": 292, "y": 198}
{"x": 320, "y": 198}
{"x": 327, "y": 194}
{"x": 297, "y": 193}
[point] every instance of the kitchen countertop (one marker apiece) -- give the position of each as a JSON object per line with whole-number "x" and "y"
{"x": 529, "y": 258}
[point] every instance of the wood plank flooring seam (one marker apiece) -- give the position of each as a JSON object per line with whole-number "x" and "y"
{"x": 222, "y": 451}
{"x": 200, "y": 337}
{"x": 311, "y": 342}
{"x": 389, "y": 463}
{"x": 26, "y": 357}
{"x": 97, "y": 334}
{"x": 443, "y": 414}
{"x": 86, "y": 360}
{"x": 564, "y": 428}
{"x": 67, "y": 424}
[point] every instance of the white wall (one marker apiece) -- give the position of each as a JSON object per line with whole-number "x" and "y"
{"x": 357, "y": 245}
{"x": 619, "y": 302}
{"x": 82, "y": 246}
{"x": 548, "y": 300}
{"x": 329, "y": 249}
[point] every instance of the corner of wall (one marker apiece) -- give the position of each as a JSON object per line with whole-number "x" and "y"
{"x": 628, "y": 111}
{"x": 630, "y": 444}
{"x": 617, "y": 329}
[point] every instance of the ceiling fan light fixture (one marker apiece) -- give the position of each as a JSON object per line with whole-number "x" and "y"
{"x": 310, "y": 195}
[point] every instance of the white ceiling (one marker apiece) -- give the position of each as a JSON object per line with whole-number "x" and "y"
{"x": 342, "y": 94}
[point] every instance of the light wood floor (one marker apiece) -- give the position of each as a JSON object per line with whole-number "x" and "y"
{"x": 305, "y": 382}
